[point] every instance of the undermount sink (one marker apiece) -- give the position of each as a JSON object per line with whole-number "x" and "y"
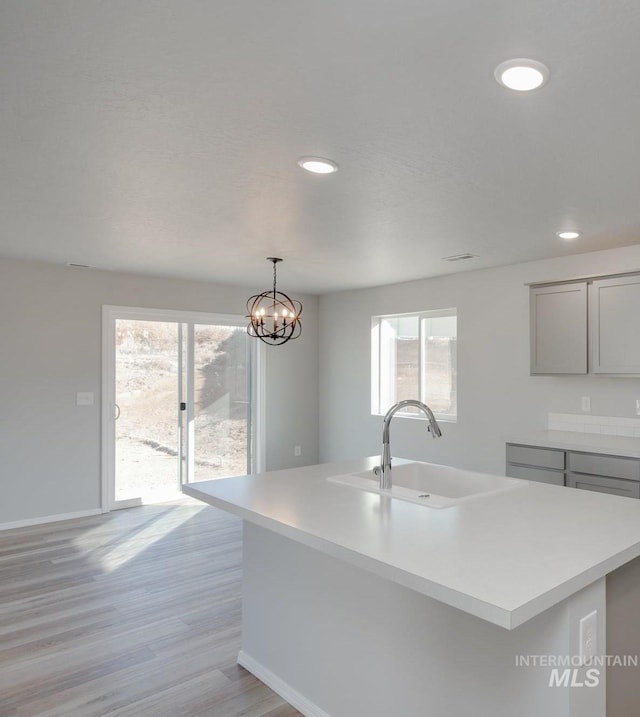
{"x": 432, "y": 485}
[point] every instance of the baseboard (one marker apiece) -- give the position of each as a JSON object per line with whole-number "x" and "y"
{"x": 280, "y": 687}
{"x": 49, "y": 519}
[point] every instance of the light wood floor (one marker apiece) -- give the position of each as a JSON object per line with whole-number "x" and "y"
{"x": 133, "y": 613}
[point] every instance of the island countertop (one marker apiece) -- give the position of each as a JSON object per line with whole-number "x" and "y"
{"x": 504, "y": 557}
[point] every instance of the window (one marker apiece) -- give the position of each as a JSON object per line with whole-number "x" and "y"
{"x": 414, "y": 356}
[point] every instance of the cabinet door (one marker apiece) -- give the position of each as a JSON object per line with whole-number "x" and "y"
{"x": 600, "y": 465}
{"x": 615, "y": 325}
{"x": 544, "y": 465}
{"x": 601, "y": 484}
{"x": 540, "y": 475}
{"x": 537, "y": 457}
{"x": 558, "y": 322}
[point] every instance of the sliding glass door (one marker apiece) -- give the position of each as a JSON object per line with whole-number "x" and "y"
{"x": 146, "y": 410}
{"x": 178, "y": 403}
{"x": 220, "y": 435}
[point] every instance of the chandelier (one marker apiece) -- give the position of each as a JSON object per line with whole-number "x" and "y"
{"x": 273, "y": 317}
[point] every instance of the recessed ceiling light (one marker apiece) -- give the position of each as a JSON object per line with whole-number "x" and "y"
{"x": 521, "y": 74}
{"x": 568, "y": 234}
{"x": 318, "y": 165}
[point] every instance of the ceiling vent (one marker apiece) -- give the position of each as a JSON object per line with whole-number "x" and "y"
{"x": 460, "y": 257}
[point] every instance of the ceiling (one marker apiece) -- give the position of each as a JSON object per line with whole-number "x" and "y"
{"x": 162, "y": 137}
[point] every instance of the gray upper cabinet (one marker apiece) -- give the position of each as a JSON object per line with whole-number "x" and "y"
{"x": 615, "y": 325}
{"x": 559, "y": 328}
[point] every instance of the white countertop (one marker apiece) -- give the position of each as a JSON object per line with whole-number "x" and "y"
{"x": 504, "y": 557}
{"x": 586, "y": 442}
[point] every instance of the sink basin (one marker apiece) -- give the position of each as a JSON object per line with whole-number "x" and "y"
{"x": 432, "y": 485}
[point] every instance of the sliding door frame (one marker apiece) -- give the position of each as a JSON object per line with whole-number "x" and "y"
{"x": 110, "y": 314}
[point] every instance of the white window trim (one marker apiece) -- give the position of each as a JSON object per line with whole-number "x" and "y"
{"x": 376, "y": 361}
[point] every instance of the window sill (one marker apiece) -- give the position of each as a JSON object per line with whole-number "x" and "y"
{"x": 421, "y": 417}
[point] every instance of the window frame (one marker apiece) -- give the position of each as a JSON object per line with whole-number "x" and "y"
{"x": 378, "y": 367}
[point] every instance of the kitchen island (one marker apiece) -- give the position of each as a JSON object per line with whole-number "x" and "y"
{"x": 358, "y": 604}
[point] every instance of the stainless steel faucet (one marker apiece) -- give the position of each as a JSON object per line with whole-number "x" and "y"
{"x": 384, "y": 470}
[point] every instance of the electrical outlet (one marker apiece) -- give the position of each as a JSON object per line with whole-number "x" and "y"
{"x": 588, "y": 637}
{"x": 638, "y": 406}
{"x": 586, "y": 404}
{"x": 297, "y": 451}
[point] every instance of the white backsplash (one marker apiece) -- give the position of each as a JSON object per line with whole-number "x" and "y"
{"x": 586, "y": 423}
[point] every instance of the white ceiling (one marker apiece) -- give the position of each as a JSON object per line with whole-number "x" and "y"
{"x": 161, "y": 136}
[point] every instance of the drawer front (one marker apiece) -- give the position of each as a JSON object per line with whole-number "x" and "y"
{"x": 610, "y": 466}
{"x": 600, "y": 484}
{"x": 540, "y": 457}
{"x": 536, "y": 474}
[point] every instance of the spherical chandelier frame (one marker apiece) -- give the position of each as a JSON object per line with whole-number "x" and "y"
{"x": 274, "y": 317}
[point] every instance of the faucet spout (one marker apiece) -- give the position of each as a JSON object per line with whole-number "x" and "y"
{"x": 385, "y": 459}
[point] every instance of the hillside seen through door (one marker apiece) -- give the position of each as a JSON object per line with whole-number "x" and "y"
{"x": 151, "y": 430}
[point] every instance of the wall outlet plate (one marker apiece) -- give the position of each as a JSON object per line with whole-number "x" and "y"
{"x": 588, "y": 637}
{"x": 586, "y": 404}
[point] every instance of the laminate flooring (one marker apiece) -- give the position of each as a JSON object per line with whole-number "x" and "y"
{"x": 134, "y": 613}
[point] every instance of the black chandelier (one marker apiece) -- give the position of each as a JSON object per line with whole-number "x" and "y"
{"x": 273, "y": 317}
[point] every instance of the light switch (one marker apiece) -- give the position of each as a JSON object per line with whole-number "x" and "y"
{"x": 84, "y": 398}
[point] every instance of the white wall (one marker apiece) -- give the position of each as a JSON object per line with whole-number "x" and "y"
{"x": 496, "y": 395}
{"x": 50, "y": 329}
{"x": 50, "y": 320}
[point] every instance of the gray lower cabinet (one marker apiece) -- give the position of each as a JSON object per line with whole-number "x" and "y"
{"x": 541, "y": 475}
{"x": 599, "y": 465}
{"x": 615, "y": 475}
{"x": 602, "y": 484}
{"x": 545, "y": 465}
{"x": 604, "y": 474}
